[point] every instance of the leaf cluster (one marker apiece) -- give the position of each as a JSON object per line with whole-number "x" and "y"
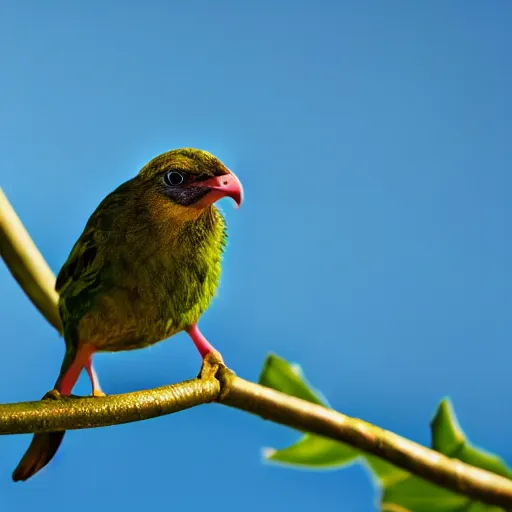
{"x": 399, "y": 491}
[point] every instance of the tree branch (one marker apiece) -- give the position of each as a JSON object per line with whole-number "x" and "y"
{"x": 27, "y": 264}
{"x": 71, "y": 413}
{"x": 220, "y": 385}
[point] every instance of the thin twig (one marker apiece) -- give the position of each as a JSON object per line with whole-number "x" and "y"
{"x": 31, "y": 271}
{"x": 26, "y": 263}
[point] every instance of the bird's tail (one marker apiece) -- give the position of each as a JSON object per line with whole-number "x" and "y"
{"x": 41, "y": 451}
{"x": 45, "y": 445}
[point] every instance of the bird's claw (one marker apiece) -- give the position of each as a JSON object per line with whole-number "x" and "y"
{"x": 214, "y": 368}
{"x": 53, "y": 394}
{"x": 211, "y": 364}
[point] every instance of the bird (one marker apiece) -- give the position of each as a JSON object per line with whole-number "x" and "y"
{"x": 145, "y": 268}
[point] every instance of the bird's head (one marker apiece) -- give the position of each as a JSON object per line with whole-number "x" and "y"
{"x": 188, "y": 181}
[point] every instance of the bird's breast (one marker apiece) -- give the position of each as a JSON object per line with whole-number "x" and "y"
{"x": 151, "y": 298}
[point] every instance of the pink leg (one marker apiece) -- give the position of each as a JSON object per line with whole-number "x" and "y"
{"x": 93, "y": 377}
{"x": 66, "y": 383}
{"x": 201, "y": 343}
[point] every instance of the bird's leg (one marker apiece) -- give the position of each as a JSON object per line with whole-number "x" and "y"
{"x": 73, "y": 363}
{"x": 82, "y": 358}
{"x": 211, "y": 357}
{"x": 201, "y": 343}
{"x": 93, "y": 377}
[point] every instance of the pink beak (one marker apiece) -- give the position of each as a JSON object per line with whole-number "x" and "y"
{"x": 227, "y": 185}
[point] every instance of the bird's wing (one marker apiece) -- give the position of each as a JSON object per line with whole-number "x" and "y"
{"x": 98, "y": 238}
{"x": 80, "y": 263}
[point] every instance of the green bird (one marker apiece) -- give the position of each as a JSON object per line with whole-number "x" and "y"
{"x": 145, "y": 268}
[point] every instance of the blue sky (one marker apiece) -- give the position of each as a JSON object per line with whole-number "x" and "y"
{"x": 373, "y": 141}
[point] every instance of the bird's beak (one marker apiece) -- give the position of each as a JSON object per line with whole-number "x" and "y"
{"x": 227, "y": 185}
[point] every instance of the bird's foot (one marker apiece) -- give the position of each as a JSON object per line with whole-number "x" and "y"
{"x": 212, "y": 361}
{"x": 98, "y": 393}
{"x": 214, "y": 368}
{"x": 53, "y": 394}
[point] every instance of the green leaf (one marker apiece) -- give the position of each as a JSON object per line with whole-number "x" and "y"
{"x": 314, "y": 452}
{"x": 418, "y": 495}
{"x": 448, "y": 438}
{"x": 383, "y": 473}
{"x": 286, "y": 377}
{"x": 399, "y": 490}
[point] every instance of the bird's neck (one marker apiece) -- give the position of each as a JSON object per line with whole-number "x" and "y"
{"x": 207, "y": 228}
{"x": 206, "y": 233}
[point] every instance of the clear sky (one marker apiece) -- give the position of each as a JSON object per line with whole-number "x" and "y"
{"x": 374, "y": 143}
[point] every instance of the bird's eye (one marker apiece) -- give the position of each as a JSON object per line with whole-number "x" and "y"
{"x": 174, "y": 178}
